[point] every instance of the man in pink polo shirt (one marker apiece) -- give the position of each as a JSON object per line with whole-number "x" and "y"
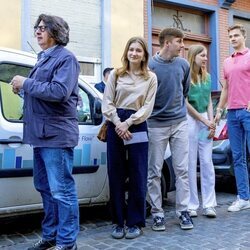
{"x": 236, "y": 94}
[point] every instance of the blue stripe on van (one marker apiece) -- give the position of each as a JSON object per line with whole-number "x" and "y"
{"x": 1, "y": 158}
{"x": 103, "y": 158}
{"x": 86, "y": 149}
{"x": 18, "y": 161}
{"x": 77, "y": 157}
{"x": 9, "y": 158}
{"x": 27, "y": 163}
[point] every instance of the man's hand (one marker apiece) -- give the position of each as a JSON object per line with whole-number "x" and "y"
{"x": 248, "y": 106}
{"x": 217, "y": 118}
{"x": 17, "y": 83}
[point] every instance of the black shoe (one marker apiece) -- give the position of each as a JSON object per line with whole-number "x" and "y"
{"x": 43, "y": 245}
{"x": 186, "y": 221}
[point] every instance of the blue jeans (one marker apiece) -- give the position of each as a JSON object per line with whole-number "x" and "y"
{"x": 53, "y": 179}
{"x": 239, "y": 134}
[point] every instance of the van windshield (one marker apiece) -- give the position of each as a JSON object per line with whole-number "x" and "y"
{"x": 12, "y": 105}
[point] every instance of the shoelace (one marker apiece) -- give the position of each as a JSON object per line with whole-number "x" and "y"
{"x": 133, "y": 229}
{"x": 158, "y": 220}
{"x": 185, "y": 217}
{"x": 58, "y": 247}
{"x": 118, "y": 229}
{"x": 38, "y": 243}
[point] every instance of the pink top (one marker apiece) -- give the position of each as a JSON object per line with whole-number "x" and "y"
{"x": 237, "y": 74}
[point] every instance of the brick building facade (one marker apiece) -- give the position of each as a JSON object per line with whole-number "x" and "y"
{"x": 203, "y": 21}
{"x": 100, "y": 28}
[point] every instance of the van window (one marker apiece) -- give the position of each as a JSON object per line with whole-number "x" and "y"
{"x": 12, "y": 104}
{"x": 83, "y": 107}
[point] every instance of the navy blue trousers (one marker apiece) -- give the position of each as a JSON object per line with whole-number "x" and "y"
{"x": 130, "y": 163}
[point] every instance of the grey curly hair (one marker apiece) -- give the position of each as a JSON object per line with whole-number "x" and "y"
{"x": 57, "y": 28}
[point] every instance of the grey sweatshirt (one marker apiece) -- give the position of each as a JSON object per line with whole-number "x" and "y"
{"x": 173, "y": 85}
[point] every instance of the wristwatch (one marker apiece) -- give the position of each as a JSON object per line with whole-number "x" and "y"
{"x": 219, "y": 110}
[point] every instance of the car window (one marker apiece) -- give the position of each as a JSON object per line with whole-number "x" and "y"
{"x": 215, "y": 101}
{"x": 83, "y": 107}
{"x": 11, "y": 104}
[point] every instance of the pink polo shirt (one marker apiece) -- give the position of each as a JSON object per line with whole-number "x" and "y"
{"x": 237, "y": 74}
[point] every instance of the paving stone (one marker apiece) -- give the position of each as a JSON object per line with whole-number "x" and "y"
{"x": 229, "y": 231}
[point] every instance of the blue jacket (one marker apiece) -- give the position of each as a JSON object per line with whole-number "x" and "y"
{"x": 100, "y": 86}
{"x": 50, "y": 101}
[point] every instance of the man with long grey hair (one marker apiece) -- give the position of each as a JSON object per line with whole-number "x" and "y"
{"x": 50, "y": 125}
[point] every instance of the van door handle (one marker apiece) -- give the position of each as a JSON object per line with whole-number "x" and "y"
{"x": 15, "y": 142}
{"x": 8, "y": 141}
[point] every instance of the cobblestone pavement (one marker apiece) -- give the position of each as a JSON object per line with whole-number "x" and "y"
{"x": 227, "y": 231}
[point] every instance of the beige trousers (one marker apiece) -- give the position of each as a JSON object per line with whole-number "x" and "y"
{"x": 177, "y": 137}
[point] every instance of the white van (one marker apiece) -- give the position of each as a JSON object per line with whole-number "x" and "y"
{"x": 17, "y": 193}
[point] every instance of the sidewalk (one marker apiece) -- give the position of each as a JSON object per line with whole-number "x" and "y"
{"x": 227, "y": 231}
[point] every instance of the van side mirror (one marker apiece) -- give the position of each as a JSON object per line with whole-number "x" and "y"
{"x": 97, "y": 115}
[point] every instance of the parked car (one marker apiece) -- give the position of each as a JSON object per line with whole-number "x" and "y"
{"x": 17, "y": 193}
{"x": 222, "y": 154}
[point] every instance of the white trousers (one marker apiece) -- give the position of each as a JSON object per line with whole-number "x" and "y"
{"x": 200, "y": 144}
{"x": 177, "y": 137}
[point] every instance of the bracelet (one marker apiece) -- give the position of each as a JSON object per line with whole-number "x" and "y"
{"x": 127, "y": 123}
{"x": 219, "y": 110}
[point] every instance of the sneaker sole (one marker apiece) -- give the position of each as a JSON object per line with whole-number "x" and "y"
{"x": 247, "y": 207}
{"x": 193, "y": 216}
{"x": 184, "y": 227}
{"x": 210, "y": 215}
{"x": 163, "y": 228}
{"x": 118, "y": 237}
{"x": 131, "y": 237}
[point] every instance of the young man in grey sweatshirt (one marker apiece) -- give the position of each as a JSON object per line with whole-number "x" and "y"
{"x": 168, "y": 124}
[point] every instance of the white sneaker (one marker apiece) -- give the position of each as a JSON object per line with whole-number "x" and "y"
{"x": 238, "y": 205}
{"x": 209, "y": 212}
{"x": 192, "y": 213}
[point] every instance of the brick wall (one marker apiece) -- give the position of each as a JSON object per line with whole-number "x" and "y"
{"x": 224, "y": 47}
{"x": 209, "y": 2}
{"x": 243, "y": 5}
{"x": 223, "y": 38}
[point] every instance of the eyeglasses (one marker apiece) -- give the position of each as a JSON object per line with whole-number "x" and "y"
{"x": 41, "y": 28}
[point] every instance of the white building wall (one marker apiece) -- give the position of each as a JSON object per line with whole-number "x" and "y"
{"x": 83, "y": 17}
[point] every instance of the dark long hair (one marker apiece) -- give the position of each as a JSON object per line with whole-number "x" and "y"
{"x": 57, "y": 28}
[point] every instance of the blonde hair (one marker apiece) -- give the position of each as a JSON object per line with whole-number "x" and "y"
{"x": 125, "y": 63}
{"x": 193, "y": 51}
